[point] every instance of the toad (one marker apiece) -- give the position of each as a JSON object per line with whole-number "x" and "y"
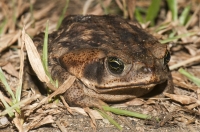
{"x": 112, "y": 59}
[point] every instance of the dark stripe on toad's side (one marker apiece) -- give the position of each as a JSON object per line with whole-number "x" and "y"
{"x": 94, "y": 71}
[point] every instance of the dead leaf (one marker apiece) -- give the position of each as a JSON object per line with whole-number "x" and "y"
{"x": 182, "y": 30}
{"x": 21, "y": 70}
{"x": 183, "y": 99}
{"x": 150, "y": 101}
{"x": 18, "y": 121}
{"x": 93, "y": 121}
{"x": 81, "y": 111}
{"x": 8, "y": 39}
{"x": 61, "y": 127}
{"x": 185, "y": 85}
{"x": 191, "y": 106}
{"x": 23, "y": 103}
{"x": 49, "y": 109}
{"x": 67, "y": 84}
{"x": 66, "y": 105}
{"x": 135, "y": 102}
{"x": 34, "y": 58}
{"x": 9, "y": 68}
{"x": 41, "y": 13}
{"x": 38, "y": 121}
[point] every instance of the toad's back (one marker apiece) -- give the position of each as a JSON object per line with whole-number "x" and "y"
{"x": 103, "y": 32}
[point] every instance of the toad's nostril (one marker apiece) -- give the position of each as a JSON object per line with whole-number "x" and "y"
{"x": 146, "y": 69}
{"x": 149, "y": 69}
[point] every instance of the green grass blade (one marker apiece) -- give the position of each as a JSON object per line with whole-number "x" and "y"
{"x": 56, "y": 83}
{"x": 173, "y": 7}
{"x": 45, "y": 49}
{"x": 142, "y": 10}
{"x": 104, "y": 115}
{"x": 14, "y": 11}
{"x": 152, "y": 11}
{"x": 161, "y": 27}
{"x": 3, "y": 80}
{"x": 138, "y": 16}
{"x": 45, "y": 55}
{"x": 3, "y": 25}
{"x": 18, "y": 93}
{"x": 184, "y": 15}
{"x": 10, "y": 109}
{"x": 172, "y": 34}
{"x": 62, "y": 15}
{"x": 190, "y": 76}
{"x": 126, "y": 113}
{"x": 32, "y": 16}
{"x": 177, "y": 37}
{"x": 10, "y": 113}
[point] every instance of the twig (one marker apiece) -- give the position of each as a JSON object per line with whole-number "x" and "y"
{"x": 183, "y": 63}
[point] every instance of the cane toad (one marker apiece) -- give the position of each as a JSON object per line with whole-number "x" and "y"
{"x": 112, "y": 59}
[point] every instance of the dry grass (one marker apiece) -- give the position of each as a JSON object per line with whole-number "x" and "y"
{"x": 181, "y": 33}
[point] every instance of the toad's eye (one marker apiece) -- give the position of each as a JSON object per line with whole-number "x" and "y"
{"x": 167, "y": 58}
{"x": 115, "y": 65}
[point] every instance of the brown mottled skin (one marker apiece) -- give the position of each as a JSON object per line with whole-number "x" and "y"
{"x": 112, "y": 59}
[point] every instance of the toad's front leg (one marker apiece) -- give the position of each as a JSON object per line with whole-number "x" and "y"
{"x": 75, "y": 96}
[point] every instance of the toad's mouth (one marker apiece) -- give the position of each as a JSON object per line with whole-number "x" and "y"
{"x": 147, "y": 87}
{"x": 132, "y": 88}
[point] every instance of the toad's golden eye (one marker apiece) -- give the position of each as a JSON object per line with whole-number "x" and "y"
{"x": 115, "y": 65}
{"x": 167, "y": 58}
